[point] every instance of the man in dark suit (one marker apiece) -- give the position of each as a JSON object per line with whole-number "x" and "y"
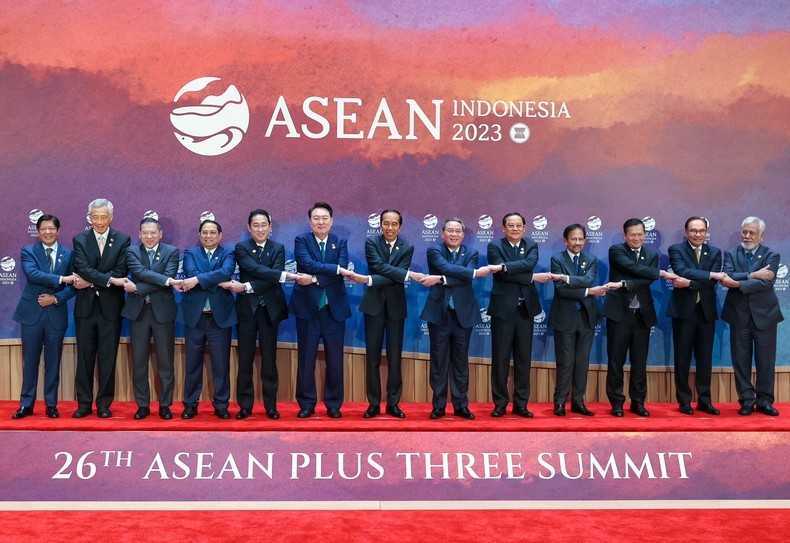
{"x": 751, "y": 308}
{"x": 321, "y": 308}
{"x": 260, "y": 306}
{"x": 151, "y": 310}
{"x": 513, "y": 307}
{"x": 209, "y": 314}
{"x": 384, "y": 305}
{"x": 692, "y": 307}
{"x": 574, "y": 314}
{"x": 630, "y": 313}
{"x": 43, "y": 313}
{"x": 451, "y": 311}
{"x": 99, "y": 263}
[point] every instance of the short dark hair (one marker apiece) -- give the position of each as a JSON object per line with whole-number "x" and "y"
{"x": 454, "y": 219}
{"x": 150, "y": 220}
{"x": 212, "y": 221}
{"x": 258, "y": 211}
{"x": 400, "y": 217}
{"x": 632, "y": 222}
{"x": 504, "y": 219}
{"x": 703, "y": 219}
{"x": 48, "y": 217}
{"x": 319, "y": 205}
{"x": 571, "y": 227}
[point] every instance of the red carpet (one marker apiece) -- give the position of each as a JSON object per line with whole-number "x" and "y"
{"x": 664, "y": 417}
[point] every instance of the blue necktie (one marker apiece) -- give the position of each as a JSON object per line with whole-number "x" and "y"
{"x": 749, "y": 257}
{"x": 151, "y": 259}
{"x": 322, "y": 302}
{"x": 207, "y": 305}
{"x": 576, "y": 263}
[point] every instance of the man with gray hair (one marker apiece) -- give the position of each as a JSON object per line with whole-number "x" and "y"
{"x": 751, "y": 308}
{"x": 100, "y": 264}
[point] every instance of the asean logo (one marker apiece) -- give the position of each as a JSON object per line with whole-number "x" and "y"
{"x": 216, "y": 124}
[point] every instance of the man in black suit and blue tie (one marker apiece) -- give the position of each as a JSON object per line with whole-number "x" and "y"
{"x": 100, "y": 266}
{"x": 151, "y": 310}
{"x": 321, "y": 309}
{"x": 514, "y": 305}
{"x": 209, "y": 313}
{"x": 43, "y": 314}
{"x": 692, "y": 307}
{"x": 574, "y": 314}
{"x": 451, "y": 311}
{"x": 630, "y": 313}
{"x": 260, "y": 307}
{"x": 752, "y": 310}
{"x": 384, "y": 305}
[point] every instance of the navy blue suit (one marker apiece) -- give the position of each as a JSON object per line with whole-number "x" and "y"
{"x": 43, "y": 326}
{"x": 693, "y": 311}
{"x": 213, "y": 327}
{"x": 753, "y": 313}
{"x": 314, "y": 324}
{"x": 450, "y": 329}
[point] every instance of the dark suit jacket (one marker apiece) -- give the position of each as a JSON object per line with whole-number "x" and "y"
{"x": 98, "y": 268}
{"x": 209, "y": 275}
{"x": 459, "y": 278}
{"x": 264, "y": 277}
{"x": 516, "y": 282}
{"x": 39, "y": 281}
{"x": 684, "y": 263}
{"x": 150, "y": 281}
{"x": 388, "y": 270}
{"x": 756, "y": 297}
{"x": 305, "y": 298}
{"x": 638, "y": 277}
{"x": 563, "y": 306}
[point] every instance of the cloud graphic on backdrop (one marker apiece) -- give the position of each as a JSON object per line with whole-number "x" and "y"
{"x": 214, "y": 126}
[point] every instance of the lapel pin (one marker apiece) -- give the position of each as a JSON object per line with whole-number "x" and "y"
{"x": 333, "y": 246}
{"x": 254, "y": 251}
{"x": 583, "y": 264}
{"x": 759, "y": 256}
{"x": 641, "y": 258}
{"x": 397, "y": 248}
{"x": 521, "y": 251}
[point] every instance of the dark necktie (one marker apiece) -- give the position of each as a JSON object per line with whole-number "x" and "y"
{"x": 636, "y": 255}
{"x": 207, "y": 305}
{"x": 515, "y": 250}
{"x": 389, "y": 247}
{"x": 576, "y": 263}
{"x": 260, "y": 254}
{"x": 453, "y": 257}
{"x": 51, "y": 266}
{"x": 151, "y": 259}
{"x": 322, "y": 302}
{"x": 749, "y": 258}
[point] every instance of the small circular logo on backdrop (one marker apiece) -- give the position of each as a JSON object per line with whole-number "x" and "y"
{"x": 216, "y": 124}
{"x": 650, "y": 223}
{"x": 151, "y": 214}
{"x": 485, "y": 222}
{"x": 206, "y": 216}
{"x": 290, "y": 266}
{"x": 484, "y": 316}
{"x": 34, "y": 215}
{"x": 430, "y": 221}
{"x": 519, "y": 133}
{"x": 540, "y": 222}
{"x": 7, "y": 264}
{"x": 781, "y": 273}
{"x": 540, "y": 317}
{"x": 374, "y": 220}
{"x": 594, "y": 223}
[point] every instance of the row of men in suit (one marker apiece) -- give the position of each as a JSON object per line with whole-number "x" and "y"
{"x": 321, "y": 307}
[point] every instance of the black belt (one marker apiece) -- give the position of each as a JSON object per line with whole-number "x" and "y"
{"x": 635, "y": 310}
{"x": 207, "y": 312}
{"x": 325, "y": 308}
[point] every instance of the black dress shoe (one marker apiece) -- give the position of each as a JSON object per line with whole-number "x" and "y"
{"x": 498, "y": 412}
{"x": 707, "y": 408}
{"x": 371, "y": 411}
{"x": 746, "y": 409}
{"x": 686, "y": 409}
{"x": 82, "y": 412}
{"x": 522, "y": 412}
{"x": 581, "y": 409}
{"x": 52, "y": 412}
{"x": 165, "y": 413}
{"x": 464, "y": 413}
{"x": 437, "y": 413}
{"x": 617, "y": 410}
{"x": 243, "y": 413}
{"x": 273, "y": 414}
{"x": 639, "y": 409}
{"x": 22, "y": 412}
{"x": 395, "y": 411}
{"x": 190, "y": 412}
{"x": 768, "y": 409}
{"x": 559, "y": 410}
{"x": 104, "y": 413}
{"x": 142, "y": 412}
{"x": 222, "y": 413}
{"x": 333, "y": 413}
{"x": 306, "y": 412}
